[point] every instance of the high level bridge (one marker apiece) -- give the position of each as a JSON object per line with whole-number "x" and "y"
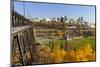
{"x": 23, "y": 40}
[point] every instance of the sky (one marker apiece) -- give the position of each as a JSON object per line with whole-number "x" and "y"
{"x": 44, "y": 10}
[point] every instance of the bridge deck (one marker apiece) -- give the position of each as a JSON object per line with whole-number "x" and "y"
{"x": 18, "y": 29}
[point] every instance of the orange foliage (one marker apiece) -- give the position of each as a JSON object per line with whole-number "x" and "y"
{"x": 85, "y": 53}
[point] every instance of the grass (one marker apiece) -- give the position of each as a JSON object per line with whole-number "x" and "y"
{"x": 80, "y": 42}
{"x": 75, "y": 43}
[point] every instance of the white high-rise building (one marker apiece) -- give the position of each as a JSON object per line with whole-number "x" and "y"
{"x": 48, "y": 19}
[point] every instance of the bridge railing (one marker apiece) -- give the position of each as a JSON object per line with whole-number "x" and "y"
{"x": 19, "y": 20}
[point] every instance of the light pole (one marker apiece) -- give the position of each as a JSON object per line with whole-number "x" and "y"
{"x": 24, "y": 9}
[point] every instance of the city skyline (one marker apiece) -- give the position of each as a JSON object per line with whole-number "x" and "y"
{"x": 44, "y": 10}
